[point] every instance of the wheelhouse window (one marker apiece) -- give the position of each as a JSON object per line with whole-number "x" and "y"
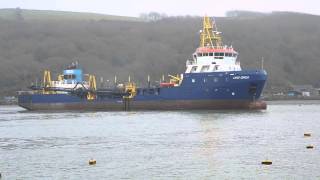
{"x": 210, "y": 54}
{"x": 199, "y": 54}
{"x": 194, "y": 56}
{"x": 219, "y": 55}
{"x": 205, "y": 54}
{"x": 205, "y": 68}
{"x": 194, "y": 69}
{"x": 69, "y": 76}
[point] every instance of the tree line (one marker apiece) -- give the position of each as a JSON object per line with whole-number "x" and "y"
{"x": 288, "y": 42}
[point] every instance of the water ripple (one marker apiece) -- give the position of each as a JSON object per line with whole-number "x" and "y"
{"x": 161, "y": 145}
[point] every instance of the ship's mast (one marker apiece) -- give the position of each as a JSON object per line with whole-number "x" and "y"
{"x": 209, "y": 36}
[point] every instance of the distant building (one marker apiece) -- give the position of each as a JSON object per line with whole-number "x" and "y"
{"x": 303, "y": 90}
{"x": 8, "y": 100}
{"x": 306, "y": 93}
{"x": 318, "y": 91}
{"x": 294, "y": 93}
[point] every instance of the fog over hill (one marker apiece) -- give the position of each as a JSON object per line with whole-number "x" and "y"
{"x": 289, "y": 43}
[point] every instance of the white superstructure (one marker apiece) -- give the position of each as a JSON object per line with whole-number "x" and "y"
{"x": 212, "y": 55}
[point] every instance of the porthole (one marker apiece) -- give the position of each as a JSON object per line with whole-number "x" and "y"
{"x": 204, "y": 80}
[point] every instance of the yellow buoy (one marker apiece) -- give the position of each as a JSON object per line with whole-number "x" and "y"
{"x": 307, "y": 134}
{"x": 266, "y": 162}
{"x": 92, "y": 162}
{"x": 309, "y": 147}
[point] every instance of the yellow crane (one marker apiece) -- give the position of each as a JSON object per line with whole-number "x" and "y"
{"x": 209, "y": 36}
{"x": 176, "y": 80}
{"x": 47, "y": 83}
{"x": 130, "y": 88}
{"x": 92, "y": 88}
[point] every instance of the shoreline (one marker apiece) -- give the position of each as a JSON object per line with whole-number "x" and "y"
{"x": 285, "y": 98}
{"x": 268, "y": 100}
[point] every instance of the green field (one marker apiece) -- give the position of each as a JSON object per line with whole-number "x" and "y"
{"x": 59, "y": 15}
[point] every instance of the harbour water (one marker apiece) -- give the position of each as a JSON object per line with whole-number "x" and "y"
{"x": 162, "y": 144}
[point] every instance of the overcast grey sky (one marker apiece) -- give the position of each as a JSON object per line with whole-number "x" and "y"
{"x": 170, "y": 7}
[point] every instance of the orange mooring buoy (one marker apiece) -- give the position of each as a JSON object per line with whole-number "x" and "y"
{"x": 309, "y": 147}
{"x": 266, "y": 162}
{"x": 92, "y": 162}
{"x": 307, "y": 134}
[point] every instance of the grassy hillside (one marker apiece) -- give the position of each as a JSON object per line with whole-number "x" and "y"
{"x": 12, "y": 14}
{"x": 288, "y": 42}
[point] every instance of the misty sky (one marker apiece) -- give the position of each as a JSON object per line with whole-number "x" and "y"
{"x": 170, "y": 7}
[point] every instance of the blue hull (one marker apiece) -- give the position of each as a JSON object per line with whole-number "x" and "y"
{"x": 215, "y": 90}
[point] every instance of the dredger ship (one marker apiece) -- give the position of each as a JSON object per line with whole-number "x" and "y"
{"x": 213, "y": 80}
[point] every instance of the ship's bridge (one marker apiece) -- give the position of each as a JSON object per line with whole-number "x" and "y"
{"x": 212, "y": 55}
{"x": 216, "y": 52}
{"x": 211, "y": 59}
{"x": 72, "y": 78}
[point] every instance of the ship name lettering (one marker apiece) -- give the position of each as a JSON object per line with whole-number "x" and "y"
{"x": 241, "y": 77}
